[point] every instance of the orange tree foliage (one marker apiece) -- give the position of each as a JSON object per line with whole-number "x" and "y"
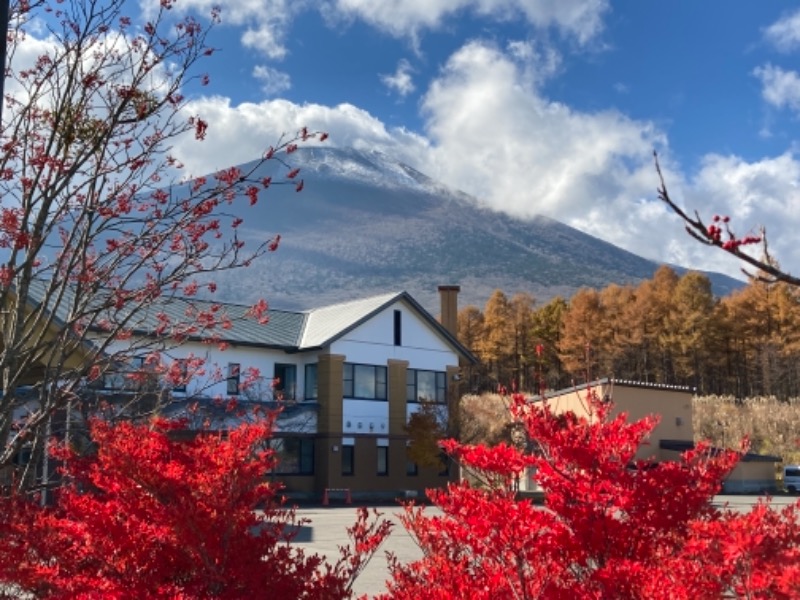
{"x": 151, "y": 517}
{"x": 611, "y": 526}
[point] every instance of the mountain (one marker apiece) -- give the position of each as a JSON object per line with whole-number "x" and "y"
{"x": 366, "y": 224}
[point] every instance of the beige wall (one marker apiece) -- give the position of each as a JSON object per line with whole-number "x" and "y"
{"x": 673, "y": 406}
{"x": 751, "y": 477}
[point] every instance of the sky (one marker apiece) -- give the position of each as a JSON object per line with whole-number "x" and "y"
{"x": 549, "y": 107}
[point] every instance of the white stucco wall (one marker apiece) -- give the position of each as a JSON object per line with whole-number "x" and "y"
{"x": 365, "y": 416}
{"x": 213, "y": 381}
{"x": 372, "y": 343}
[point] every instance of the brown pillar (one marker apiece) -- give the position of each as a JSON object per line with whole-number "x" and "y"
{"x": 397, "y": 396}
{"x": 330, "y": 392}
{"x": 448, "y": 295}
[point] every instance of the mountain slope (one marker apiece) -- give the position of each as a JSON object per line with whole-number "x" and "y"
{"x": 365, "y": 224}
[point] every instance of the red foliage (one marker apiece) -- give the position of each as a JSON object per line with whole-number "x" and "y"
{"x": 151, "y": 517}
{"x": 611, "y": 526}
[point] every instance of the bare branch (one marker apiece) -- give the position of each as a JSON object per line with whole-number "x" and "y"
{"x": 720, "y": 235}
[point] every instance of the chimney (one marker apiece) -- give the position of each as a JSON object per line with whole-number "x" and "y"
{"x": 448, "y": 294}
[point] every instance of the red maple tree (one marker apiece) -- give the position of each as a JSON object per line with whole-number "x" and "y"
{"x": 610, "y": 526}
{"x": 99, "y": 224}
{"x": 149, "y": 516}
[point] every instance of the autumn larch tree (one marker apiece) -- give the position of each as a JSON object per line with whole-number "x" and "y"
{"x": 92, "y": 234}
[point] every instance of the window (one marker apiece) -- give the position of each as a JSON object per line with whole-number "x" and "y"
{"x": 234, "y": 375}
{"x": 383, "y": 456}
{"x": 130, "y": 375}
{"x": 428, "y": 386}
{"x": 311, "y": 382}
{"x": 181, "y": 375}
{"x": 366, "y": 382}
{"x": 398, "y": 328}
{"x": 295, "y": 455}
{"x": 412, "y": 468}
{"x": 348, "y": 459}
{"x": 445, "y": 460}
{"x": 285, "y": 382}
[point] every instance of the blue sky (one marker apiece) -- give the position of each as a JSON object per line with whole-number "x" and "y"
{"x": 534, "y": 106}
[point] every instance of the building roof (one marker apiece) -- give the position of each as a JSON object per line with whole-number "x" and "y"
{"x": 298, "y": 331}
{"x": 685, "y": 445}
{"x": 291, "y": 331}
{"x": 625, "y": 383}
{"x": 326, "y": 324}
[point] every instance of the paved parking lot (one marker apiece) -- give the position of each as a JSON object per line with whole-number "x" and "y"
{"x": 327, "y": 532}
{"x": 328, "y": 526}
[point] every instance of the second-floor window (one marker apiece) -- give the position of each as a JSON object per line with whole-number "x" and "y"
{"x": 367, "y": 382}
{"x": 284, "y": 385}
{"x": 310, "y": 386}
{"x": 426, "y": 386}
{"x": 181, "y": 375}
{"x": 234, "y": 378}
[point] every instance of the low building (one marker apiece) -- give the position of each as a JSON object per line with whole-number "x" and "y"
{"x": 674, "y": 432}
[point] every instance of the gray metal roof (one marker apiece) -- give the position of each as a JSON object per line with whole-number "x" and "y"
{"x": 282, "y": 330}
{"x": 292, "y": 331}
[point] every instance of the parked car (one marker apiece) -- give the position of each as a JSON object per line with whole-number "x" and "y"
{"x": 791, "y": 478}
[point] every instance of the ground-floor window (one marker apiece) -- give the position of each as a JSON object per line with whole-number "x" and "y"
{"x": 383, "y": 456}
{"x": 348, "y": 458}
{"x": 295, "y": 455}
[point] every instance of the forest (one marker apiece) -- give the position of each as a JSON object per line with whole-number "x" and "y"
{"x": 669, "y": 329}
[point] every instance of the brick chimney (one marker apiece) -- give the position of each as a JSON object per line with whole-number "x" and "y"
{"x": 448, "y": 294}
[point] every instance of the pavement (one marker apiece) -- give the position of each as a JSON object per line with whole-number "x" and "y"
{"x": 327, "y": 531}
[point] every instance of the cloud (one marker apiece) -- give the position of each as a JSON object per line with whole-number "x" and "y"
{"x": 240, "y": 133}
{"x": 754, "y": 194}
{"x": 400, "y": 81}
{"x": 495, "y": 136}
{"x": 491, "y": 132}
{"x": 578, "y": 19}
{"x": 779, "y": 88}
{"x": 784, "y": 34}
{"x": 539, "y": 60}
{"x": 272, "y": 80}
{"x": 265, "y": 23}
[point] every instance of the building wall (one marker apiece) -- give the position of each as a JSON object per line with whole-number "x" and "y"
{"x": 673, "y": 406}
{"x": 212, "y": 382}
{"x": 366, "y": 425}
{"x": 370, "y": 424}
{"x": 374, "y": 340}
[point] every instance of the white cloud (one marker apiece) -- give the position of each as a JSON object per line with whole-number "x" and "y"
{"x": 266, "y": 22}
{"x": 579, "y": 19}
{"x": 779, "y": 88}
{"x": 240, "y": 133}
{"x": 540, "y": 61}
{"x": 784, "y": 34}
{"x": 491, "y": 133}
{"x": 754, "y": 194}
{"x": 400, "y": 81}
{"x": 272, "y": 80}
{"x": 497, "y": 138}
